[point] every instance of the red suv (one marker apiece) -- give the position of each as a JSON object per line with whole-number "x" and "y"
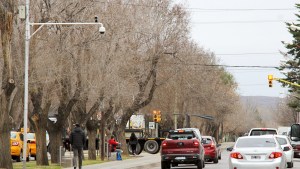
{"x": 212, "y": 149}
{"x": 182, "y": 146}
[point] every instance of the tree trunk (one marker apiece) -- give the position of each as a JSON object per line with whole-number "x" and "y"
{"x": 38, "y": 120}
{"x": 41, "y": 147}
{"x": 92, "y": 144}
{"x": 91, "y": 127}
{"x": 6, "y": 30}
{"x": 122, "y": 139}
{"x": 5, "y": 157}
{"x": 55, "y": 136}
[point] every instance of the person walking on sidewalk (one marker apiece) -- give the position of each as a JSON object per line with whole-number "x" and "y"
{"x": 133, "y": 141}
{"x": 77, "y": 140}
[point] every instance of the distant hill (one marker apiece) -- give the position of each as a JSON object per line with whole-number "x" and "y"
{"x": 264, "y": 104}
{"x": 261, "y": 101}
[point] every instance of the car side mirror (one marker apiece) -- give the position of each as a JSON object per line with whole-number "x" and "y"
{"x": 286, "y": 148}
{"x": 229, "y": 148}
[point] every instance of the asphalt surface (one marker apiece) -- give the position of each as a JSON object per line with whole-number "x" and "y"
{"x": 142, "y": 161}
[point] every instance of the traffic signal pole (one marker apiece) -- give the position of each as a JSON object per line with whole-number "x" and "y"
{"x": 271, "y": 78}
{"x": 284, "y": 81}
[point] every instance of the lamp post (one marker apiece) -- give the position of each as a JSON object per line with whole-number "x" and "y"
{"x": 26, "y": 67}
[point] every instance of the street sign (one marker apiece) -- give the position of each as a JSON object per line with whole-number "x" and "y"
{"x": 151, "y": 125}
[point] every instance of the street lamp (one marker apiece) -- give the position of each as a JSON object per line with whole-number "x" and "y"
{"x": 26, "y": 68}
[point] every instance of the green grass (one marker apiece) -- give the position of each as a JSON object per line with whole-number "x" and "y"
{"x": 32, "y": 164}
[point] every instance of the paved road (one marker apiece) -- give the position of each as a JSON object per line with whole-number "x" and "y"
{"x": 152, "y": 161}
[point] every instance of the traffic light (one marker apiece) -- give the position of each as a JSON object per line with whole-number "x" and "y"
{"x": 270, "y": 78}
{"x": 156, "y": 116}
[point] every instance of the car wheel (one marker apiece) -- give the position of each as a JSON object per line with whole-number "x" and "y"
{"x": 200, "y": 164}
{"x": 165, "y": 165}
{"x": 216, "y": 160}
{"x": 19, "y": 158}
{"x": 290, "y": 165}
{"x": 151, "y": 146}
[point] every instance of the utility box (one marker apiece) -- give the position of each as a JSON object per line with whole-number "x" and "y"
{"x": 22, "y": 12}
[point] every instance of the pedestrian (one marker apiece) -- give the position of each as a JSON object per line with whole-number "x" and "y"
{"x": 113, "y": 144}
{"x": 133, "y": 141}
{"x": 77, "y": 140}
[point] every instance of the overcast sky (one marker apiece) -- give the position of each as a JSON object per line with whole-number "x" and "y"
{"x": 244, "y": 33}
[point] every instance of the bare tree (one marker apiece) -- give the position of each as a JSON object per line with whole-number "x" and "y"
{"x": 7, "y": 12}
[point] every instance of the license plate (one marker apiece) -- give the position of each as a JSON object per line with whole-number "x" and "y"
{"x": 255, "y": 157}
{"x": 180, "y": 158}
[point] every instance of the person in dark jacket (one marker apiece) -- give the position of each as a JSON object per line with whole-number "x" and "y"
{"x": 77, "y": 140}
{"x": 133, "y": 141}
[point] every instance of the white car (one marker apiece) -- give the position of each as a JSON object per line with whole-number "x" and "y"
{"x": 285, "y": 141}
{"x": 261, "y": 152}
{"x": 262, "y": 131}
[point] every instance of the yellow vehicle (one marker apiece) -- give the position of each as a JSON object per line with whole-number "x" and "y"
{"x": 32, "y": 144}
{"x": 16, "y": 149}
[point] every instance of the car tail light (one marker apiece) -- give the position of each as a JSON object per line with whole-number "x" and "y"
{"x": 164, "y": 144}
{"x": 275, "y": 155}
{"x": 196, "y": 143}
{"x": 15, "y": 143}
{"x": 236, "y": 155}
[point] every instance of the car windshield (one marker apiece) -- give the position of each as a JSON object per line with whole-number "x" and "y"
{"x": 262, "y": 132}
{"x": 281, "y": 141}
{"x": 30, "y": 136}
{"x": 255, "y": 142}
{"x": 206, "y": 140}
{"x": 181, "y": 135}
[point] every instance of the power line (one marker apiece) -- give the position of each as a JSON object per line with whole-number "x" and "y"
{"x": 238, "y": 66}
{"x": 239, "y": 9}
{"x": 217, "y": 65}
{"x": 261, "y": 53}
{"x": 207, "y": 9}
{"x": 233, "y": 22}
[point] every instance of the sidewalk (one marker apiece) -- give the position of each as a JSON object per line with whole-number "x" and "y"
{"x": 142, "y": 160}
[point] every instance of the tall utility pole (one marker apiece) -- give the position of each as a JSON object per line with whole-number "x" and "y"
{"x": 102, "y": 136}
{"x": 28, "y": 35}
{"x": 26, "y": 67}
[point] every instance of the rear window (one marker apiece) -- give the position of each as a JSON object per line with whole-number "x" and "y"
{"x": 206, "y": 140}
{"x": 258, "y": 132}
{"x": 256, "y": 142}
{"x": 181, "y": 135}
{"x": 13, "y": 135}
{"x": 281, "y": 141}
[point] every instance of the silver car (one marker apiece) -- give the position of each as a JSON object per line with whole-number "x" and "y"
{"x": 285, "y": 141}
{"x": 257, "y": 152}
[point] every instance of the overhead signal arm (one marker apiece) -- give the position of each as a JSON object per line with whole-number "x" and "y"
{"x": 287, "y": 82}
{"x": 271, "y": 78}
